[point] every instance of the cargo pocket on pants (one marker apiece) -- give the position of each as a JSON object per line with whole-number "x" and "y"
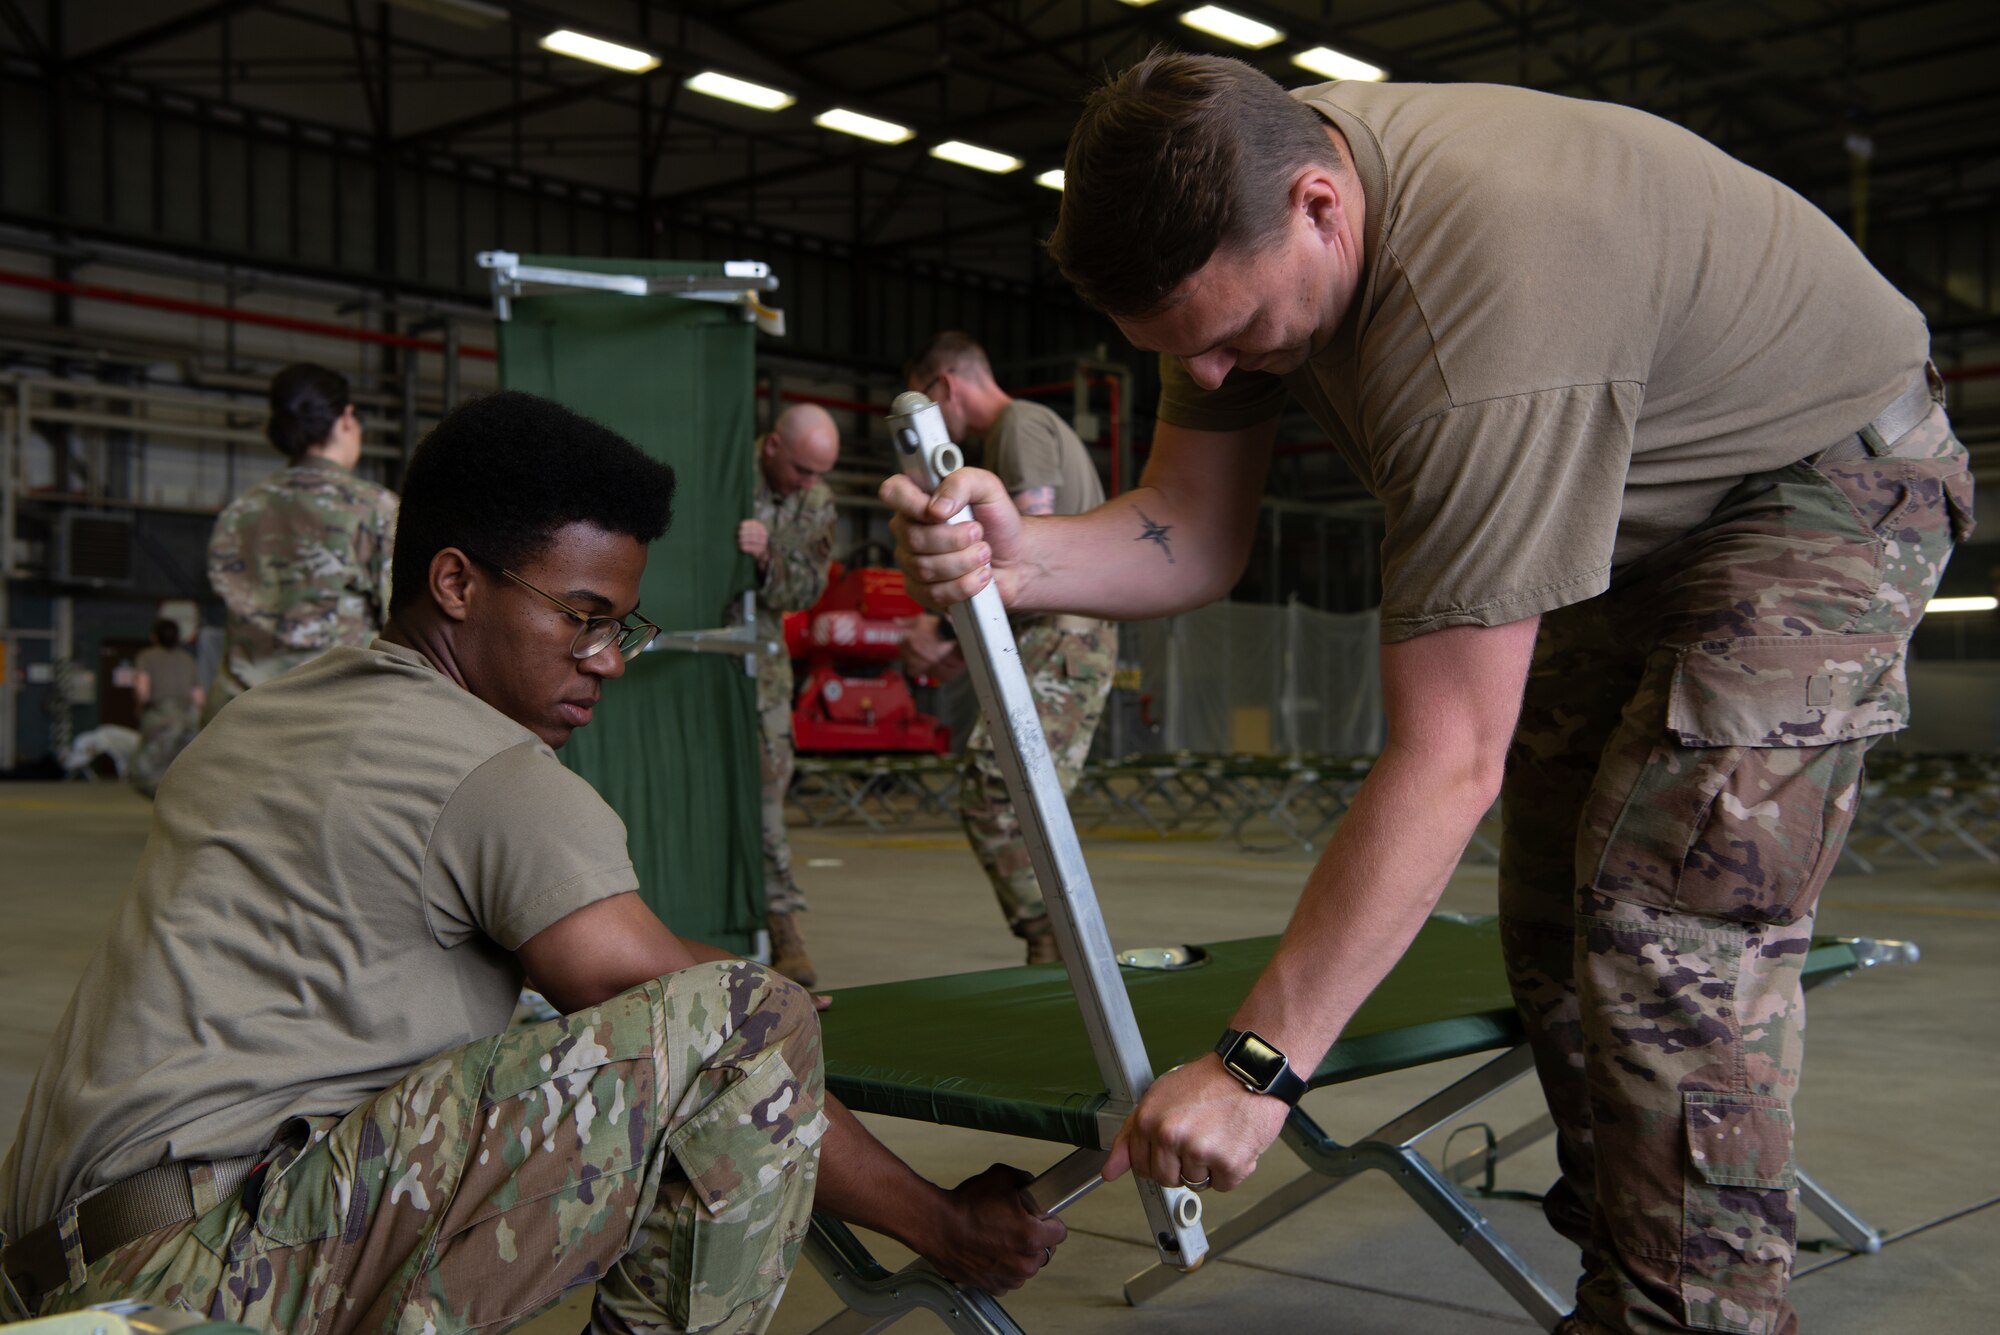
{"x": 1738, "y": 1221}
{"x": 1740, "y": 810}
{"x": 739, "y": 1228}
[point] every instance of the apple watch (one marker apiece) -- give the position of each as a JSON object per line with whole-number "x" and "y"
{"x": 1259, "y": 1065}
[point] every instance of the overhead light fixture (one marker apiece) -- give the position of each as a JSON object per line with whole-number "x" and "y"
{"x": 1963, "y": 605}
{"x": 1338, "y": 65}
{"x": 866, "y": 127}
{"x": 740, "y": 91}
{"x": 597, "y": 51}
{"x": 972, "y": 155}
{"x": 1138, "y": 4}
{"x": 1053, "y": 177}
{"x": 1233, "y": 27}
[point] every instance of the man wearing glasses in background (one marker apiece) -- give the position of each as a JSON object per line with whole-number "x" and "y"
{"x": 282, "y": 1094}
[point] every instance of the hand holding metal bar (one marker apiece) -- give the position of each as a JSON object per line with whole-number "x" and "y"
{"x": 994, "y": 660}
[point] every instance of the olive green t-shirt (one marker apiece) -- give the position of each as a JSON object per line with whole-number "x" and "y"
{"x": 1578, "y": 325}
{"x": 1030, "y": 446}
{"x": 339, "y": 869}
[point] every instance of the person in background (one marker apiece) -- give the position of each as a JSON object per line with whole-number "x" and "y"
{"x": 789, "y": 536}
{"x": 169, "y": 695}
{"x": 301, "y": 559}
{"x": 1069, "y": 659}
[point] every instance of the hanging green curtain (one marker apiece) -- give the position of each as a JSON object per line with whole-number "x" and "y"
{"x": 673, "y": 747}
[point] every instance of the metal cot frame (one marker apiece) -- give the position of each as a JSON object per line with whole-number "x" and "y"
{"x": 875, "y": 1297}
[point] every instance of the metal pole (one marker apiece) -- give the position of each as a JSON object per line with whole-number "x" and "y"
{"x": 994, "y": 661}
{"x": 409, "y": 441}
{"x": 450, "y": 364}
{"x": 11, "y": 450}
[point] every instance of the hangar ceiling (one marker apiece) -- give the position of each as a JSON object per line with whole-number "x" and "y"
{"x": 1787, "y": 85}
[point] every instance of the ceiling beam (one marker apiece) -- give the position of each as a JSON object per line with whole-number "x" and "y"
{"x": 192, "y": 21}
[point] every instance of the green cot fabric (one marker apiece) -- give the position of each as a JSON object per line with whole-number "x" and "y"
{"x": 673, "y": 748}
{"x": 1005, "y": 1050}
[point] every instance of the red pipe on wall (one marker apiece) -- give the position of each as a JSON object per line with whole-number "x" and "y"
{"x": 63, "y": 287}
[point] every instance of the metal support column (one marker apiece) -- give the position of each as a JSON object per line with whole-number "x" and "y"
{"x": 13, "y": 446}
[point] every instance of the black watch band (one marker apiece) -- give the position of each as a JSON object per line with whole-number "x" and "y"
{"x": 1263, "y": 1069}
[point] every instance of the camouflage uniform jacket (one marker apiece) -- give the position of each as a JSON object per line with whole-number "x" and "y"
{"x": 302, "y": 561}
{"x": 801, "y": 527}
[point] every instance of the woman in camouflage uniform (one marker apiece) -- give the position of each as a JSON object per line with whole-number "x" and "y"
{"x": 302, "y": 557}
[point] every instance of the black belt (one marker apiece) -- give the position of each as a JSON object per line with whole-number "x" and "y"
{"x": 1894, "y": 422}
{"x": 106, "y": 1220}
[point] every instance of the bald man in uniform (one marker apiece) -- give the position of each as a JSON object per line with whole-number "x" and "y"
{"x": 790, "y": 536}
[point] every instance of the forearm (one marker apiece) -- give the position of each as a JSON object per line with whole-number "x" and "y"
{"x": 862, "y": 1182}
{"x": 1135, "y": 557}
{"x": 1379, "y": 877}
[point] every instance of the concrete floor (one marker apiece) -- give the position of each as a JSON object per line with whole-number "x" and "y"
{"x": 1896, "y": 1116}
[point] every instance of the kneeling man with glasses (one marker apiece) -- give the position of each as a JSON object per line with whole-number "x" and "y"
{"x": 285, "y": 1093}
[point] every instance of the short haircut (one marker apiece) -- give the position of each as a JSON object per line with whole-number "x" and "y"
{"x": 1177, "y": 158}
{"x": 500, "y": 475}
{"x": 167, "y": 633}
{"x": 306, "y": 400}
{"x": 948, "y": 352}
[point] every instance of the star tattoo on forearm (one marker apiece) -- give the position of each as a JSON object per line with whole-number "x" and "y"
{"x": 1155, "y": 532}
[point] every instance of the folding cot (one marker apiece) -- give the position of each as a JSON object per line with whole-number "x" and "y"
{"x": 1006, "y": 1050}
{"x": 1061, "y": 1053}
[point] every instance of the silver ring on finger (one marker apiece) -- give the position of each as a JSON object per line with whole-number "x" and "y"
{"x": 1202, "y": 1185}
{"x": 1049, "y": 1252}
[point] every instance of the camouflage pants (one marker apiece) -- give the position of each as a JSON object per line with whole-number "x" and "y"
{"x": 1070, "y": 672}
{"x": 164, "y": 729}
{"x": 1684, "y": 774}
{"x": 775, "y": 764}
{"x": 663, "y": 1145}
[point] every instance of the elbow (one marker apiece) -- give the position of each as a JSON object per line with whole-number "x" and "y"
{"x": 1218, "y": 576}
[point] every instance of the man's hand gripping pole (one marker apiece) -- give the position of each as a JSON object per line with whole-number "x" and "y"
{"x": 994, "y": 661}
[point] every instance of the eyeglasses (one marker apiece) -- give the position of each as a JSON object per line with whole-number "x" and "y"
{"x": 596, "y": 634}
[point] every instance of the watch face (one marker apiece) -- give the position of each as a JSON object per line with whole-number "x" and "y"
{"x": 1254, "y": 1061}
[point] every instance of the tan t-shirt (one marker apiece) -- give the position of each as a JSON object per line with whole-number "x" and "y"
{"x": 1030, "y": 446}
{"x": 339, "y": 869}
{"x": 170, "y": 674}
{"x": 1578, "y": 326}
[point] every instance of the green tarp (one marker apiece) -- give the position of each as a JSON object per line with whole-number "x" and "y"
{"x": 673, "y": 747}
{"x": 1005, "y": 1050}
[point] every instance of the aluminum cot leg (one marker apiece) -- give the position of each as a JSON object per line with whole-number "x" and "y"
{"x": 1848, "y": 1226}
{"x": 1391, "y": 1148}
{"x": 877, "y": 1299}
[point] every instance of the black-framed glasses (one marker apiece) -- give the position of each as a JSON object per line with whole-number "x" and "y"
{"x": 596, "y": 634}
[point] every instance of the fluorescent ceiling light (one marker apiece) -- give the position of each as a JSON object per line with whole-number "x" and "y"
{"x": 972, "y": 155}
{"x": 867, "y": 127}
{"x": 1052, "y": 178}
{"x": 740, "y": 91}
{"x": 1233, "y": 27}
{"x": 1338, "y": 65}
{"x": 600, "y": 52}
{"x": 1138, "y": 4}
{"x": 1963, "y": 604}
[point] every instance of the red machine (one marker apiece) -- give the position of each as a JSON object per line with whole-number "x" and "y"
{"x": 855, "y": 697}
